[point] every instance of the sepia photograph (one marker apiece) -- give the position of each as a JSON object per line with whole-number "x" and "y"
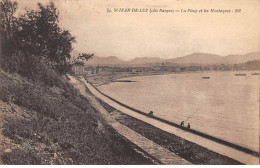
{"x": 129, "y": 82}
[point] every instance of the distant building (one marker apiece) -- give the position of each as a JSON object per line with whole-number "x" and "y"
{"x": 156, "y": 68}
{"x": 78, "y": 69}
{"x": 166, "y": 68}
{"x": 177, "y": 69}
{"x": 89, "y": 70}
{"x": 99, "y": 70}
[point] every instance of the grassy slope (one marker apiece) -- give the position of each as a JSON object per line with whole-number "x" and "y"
{"x": 56, "y": 125}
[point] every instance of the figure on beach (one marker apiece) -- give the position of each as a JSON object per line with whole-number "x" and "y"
{"x": 182, "y": 123}
{"x": 188, "y": 126}
{"x": 150, "y": 114}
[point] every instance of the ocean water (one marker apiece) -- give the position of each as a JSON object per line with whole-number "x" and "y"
{"x": 225, "y": 106}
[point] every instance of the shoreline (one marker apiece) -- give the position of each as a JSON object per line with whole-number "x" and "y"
{"x": 132, "y": 119}
{"x": 196, "y": 132}
{"x": 190, "y": 141}
{"x": 190, "y": 151}
{"x": 107, "y": 78}
{"x": 149, "y": 148}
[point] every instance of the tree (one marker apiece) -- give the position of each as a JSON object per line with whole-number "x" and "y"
{"x": 81, "y": 58}
{"x": 8, "y": 27}
{"x": 35, "y": 37}
{"x": 40, "y": 35}
{"x": 8, "y": 21}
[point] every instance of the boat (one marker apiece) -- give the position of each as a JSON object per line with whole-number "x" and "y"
{"x": 241, "y": 74}
{"x": 123, "y": 81}
{"x": 205, "y": 77}
{"x": 255, "y": 73}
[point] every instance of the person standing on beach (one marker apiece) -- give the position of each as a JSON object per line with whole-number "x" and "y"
{"x": 188, "y": 126}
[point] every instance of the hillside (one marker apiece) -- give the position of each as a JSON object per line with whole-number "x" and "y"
{"x": 198, "y": 58}
{"x": 53, "y": 124}
{"x": 252, "y": 65}
{"x": 195, "y": 58}
{"x": 96, "y": 60}
{"x": 145, "y": 60}
{"x": 237, "y": 59}
{"x": 44, "y": 119}
{"x": 210, "y": 59}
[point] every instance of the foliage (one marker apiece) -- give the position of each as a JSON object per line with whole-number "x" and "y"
{"x": 35, "y": 36}
{"x": 8, "y": 21}
{"x": 40, "y": 34}
{"x": 81, "y": 58}
{"x": 8, "y": 27}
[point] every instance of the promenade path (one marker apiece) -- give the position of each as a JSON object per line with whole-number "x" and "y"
{"x": 211, "y": 145}
{"x": 155, "y": 150}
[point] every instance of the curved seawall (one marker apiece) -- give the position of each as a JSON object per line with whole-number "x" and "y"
{"x": 196, "y": 132}
{"x": 212, "y": 145}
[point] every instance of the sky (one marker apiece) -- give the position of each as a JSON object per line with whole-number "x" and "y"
{"x": 128, "y": 35}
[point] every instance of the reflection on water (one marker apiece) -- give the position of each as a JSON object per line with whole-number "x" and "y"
{"x": 225, "y": 106}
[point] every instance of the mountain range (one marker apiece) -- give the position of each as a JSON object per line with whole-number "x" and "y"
{"x": 195, "y": 58}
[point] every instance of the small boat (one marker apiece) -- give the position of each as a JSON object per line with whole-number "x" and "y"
{"x": 241, "y": 74}
{"x": 255, "y": 73}
{"x": 205, "y": 77}
{"x": 124, "y": 81}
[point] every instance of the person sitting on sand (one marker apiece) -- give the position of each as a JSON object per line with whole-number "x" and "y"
{"x": 150, "y": 114}
{"x": 188, "y": 126}
{"x": 182, "y": 123}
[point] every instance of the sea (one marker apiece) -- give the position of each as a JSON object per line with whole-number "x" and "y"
{"x": 221, "y": 104}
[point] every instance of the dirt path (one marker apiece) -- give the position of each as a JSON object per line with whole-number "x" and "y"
{"x": 219, "y": 148}
{"x": 155, "y": 150}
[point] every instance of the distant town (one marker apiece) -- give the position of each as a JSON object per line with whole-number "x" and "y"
{"x": 162, "y": 68}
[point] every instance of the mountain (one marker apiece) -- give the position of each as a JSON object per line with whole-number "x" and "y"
{"x": 195, "y": 58}
{"x": 198, "y": 58}
{"x": 112, "y": 60}
{"x": 204, "y": 58}
{"x": 252, "y": 65}
{"x": 237, "y": 59}
{"x": 146, "y": 60}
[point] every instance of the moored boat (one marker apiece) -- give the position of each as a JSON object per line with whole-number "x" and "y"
{"x": 241, "y": 74}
